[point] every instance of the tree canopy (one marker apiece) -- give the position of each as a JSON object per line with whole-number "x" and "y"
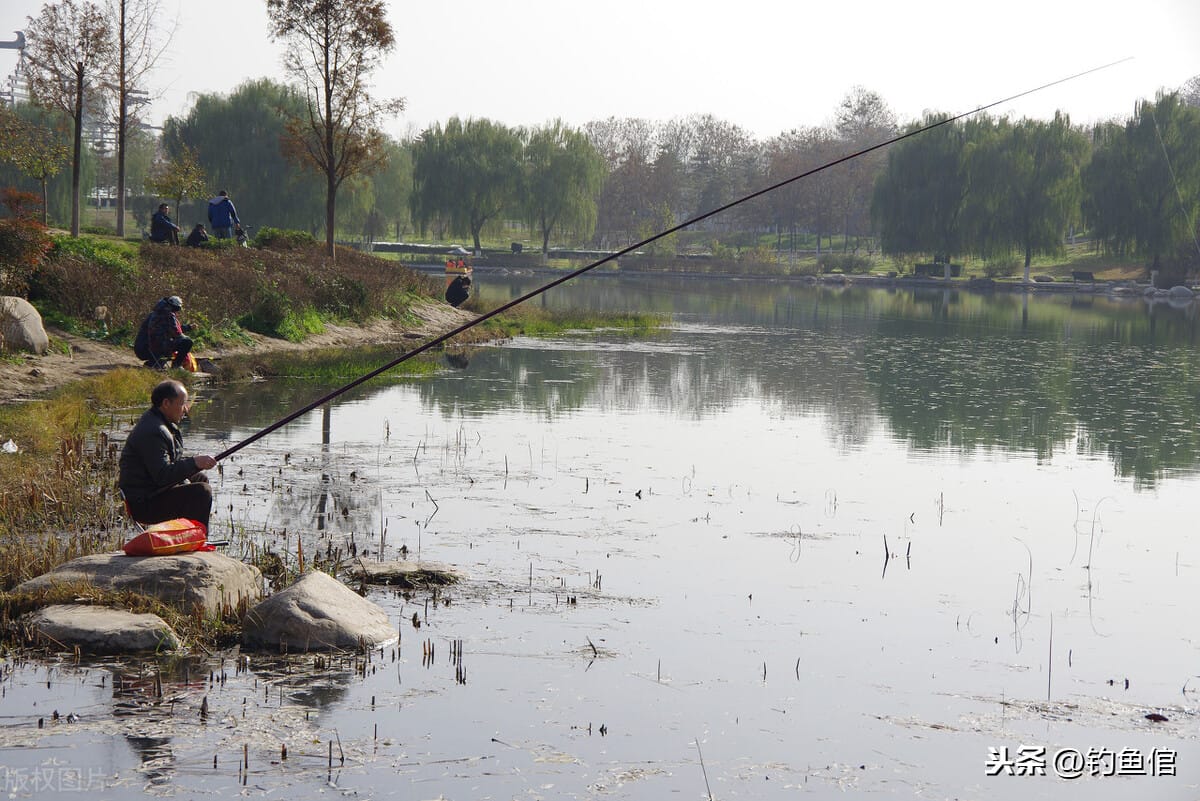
{"x": 332, "y": 48}
{"x": 465, "y": 175}
{"x": 562, "y": 178}
{"x": 70, "y": 44}
{"x": 1143, "y": 183}
{"x": 236, "y": 140}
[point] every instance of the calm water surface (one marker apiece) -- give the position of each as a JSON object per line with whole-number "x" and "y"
{"x": 816, "y": 542}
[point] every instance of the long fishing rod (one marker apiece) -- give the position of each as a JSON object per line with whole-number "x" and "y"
{"x": 636, "y": 246}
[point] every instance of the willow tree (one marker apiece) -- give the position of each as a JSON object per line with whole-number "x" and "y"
{"x": 919, "y": 197}
{"x": 1142, "y": 186}
{"x": 70, "y": 44}
{"x": 563, "y": 175}
{"x": 466, "y": 175}
{"x": 333, "y": 46}
{"x": 1025, "y": 185}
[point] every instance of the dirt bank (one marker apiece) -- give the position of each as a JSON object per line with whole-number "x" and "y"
{"x": 26, "y": 376}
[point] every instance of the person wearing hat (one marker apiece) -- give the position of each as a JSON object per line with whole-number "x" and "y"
{"x": 162, "y": 229}
{"x": 165, "y": 334}
{"x": 158, "y": 482}
{"x": 222, "y": 215}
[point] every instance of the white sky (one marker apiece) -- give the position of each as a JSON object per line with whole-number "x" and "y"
{"x": 766, "y": 65}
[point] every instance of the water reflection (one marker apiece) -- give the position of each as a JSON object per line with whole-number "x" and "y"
{"x": 936, "y": 369}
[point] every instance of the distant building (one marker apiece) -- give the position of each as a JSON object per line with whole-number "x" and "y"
{"x": 15, "y": 88}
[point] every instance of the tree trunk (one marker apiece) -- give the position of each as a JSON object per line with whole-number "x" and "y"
{"x": 330, "y": 213}
{"x": 78, "y": 148}
{"x": 45, "y": 204}
{"x": 330, "y": 152}
{"x": 122, "y": 122}
{"x": 1028, "y": 259}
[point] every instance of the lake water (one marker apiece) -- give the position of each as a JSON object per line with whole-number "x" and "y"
{"x": 801, "y": 542}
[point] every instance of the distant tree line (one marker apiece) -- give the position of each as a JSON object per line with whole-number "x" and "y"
{"x": 311, "y": 154}
{"x": 991, "y": 187}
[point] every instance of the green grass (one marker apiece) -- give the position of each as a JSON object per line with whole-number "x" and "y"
{"x": 328, "y": 364}
{"x": 535, "y": 321}
{"x": 58, "y": 481}
{"x": 106, "y": 251}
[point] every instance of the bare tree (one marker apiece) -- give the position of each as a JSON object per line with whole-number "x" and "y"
{"x": 332, "y": 48}
{"x": 69, "y": 45}
{"x": 135, "y": 23}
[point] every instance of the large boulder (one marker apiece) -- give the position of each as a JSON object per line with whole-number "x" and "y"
{"x": 317, "y": 613}
{"x": 101, "y": 630}
{"x": 1180, "y": 293}
{"x": 21, "y": 327}
{"x": 208, "y": 582}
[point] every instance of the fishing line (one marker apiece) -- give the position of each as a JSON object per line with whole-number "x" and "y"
{"x": 635, "y": 246}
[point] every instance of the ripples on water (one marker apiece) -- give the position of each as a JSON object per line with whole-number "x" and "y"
{"x": 717, "y": 498}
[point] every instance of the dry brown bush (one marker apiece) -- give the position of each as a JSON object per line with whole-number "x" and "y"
{"x": 224, "y": 285}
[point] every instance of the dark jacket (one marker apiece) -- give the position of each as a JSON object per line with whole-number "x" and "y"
{"x": 197, "y": 237}
{"x": 458, "y": 292}
{"x": 161, "y": 227}
{"x": 164, "y": 329}
{"x": 221, "y": 212}
{"x": 152, "y": 458}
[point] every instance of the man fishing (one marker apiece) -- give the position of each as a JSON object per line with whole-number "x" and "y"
{"x": 158, "y": 482}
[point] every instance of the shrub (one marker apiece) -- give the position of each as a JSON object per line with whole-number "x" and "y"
{"x": 113, "y": 256}
{"x": 1001, "y": 268}
{"x": 759, "y": 254}
{"x": 846, "y": 262}
{"x": 98, "y": 230}
{"x": 24, "y": 245}
{"x": 298, "y": 325}
{"x": 21, "y": 205}
{"x": 268, "y": 311}
{"x": 281, "y": 239}
{"x": 723, "y": 252}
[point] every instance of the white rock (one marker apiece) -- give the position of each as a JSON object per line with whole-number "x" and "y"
{"x": 317, "y": 613}
{"x": 101, "y": 630}
{"x": 208, "y": 581}
{"x": 21, "y": 327}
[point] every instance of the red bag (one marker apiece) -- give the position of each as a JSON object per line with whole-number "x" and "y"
{"x": 170, "y": 536}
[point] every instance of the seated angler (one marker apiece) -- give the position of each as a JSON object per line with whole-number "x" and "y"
{"x": 159, "y": 483}
{"x": 162, "y": 229}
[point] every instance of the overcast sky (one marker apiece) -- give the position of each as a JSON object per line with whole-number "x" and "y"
{"x": 766, "y": 65}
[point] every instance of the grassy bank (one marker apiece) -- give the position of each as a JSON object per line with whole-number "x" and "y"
{"x": 58, "y": 492}
{"x": 287, "y": 288}
{"x": 58, "y": 498}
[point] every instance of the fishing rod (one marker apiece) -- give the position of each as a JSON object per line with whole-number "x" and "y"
{"x": 636, "y": 246}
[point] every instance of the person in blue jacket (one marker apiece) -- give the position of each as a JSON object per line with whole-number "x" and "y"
{"x": 222, "y": 215}
{"x": 162, "y": 229}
